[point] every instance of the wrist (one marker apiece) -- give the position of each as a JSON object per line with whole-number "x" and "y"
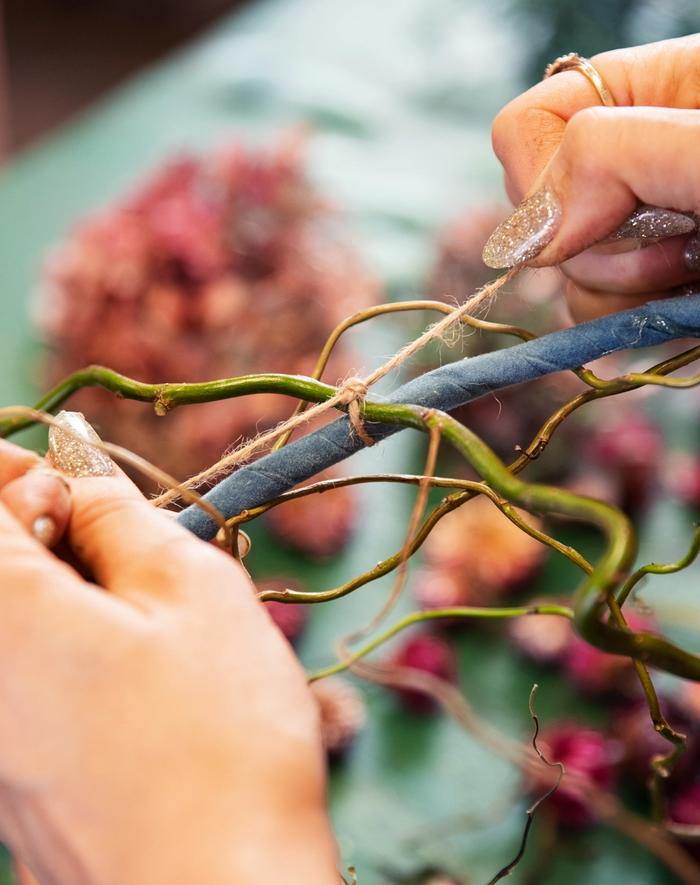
{"x": 263, "y": 847}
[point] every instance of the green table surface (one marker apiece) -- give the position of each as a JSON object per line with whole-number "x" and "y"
{"x": 399, "y": 96}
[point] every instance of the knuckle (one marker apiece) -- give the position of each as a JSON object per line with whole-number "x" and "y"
{"x": 585, "y": 121}
{"x": 582, "y": 138}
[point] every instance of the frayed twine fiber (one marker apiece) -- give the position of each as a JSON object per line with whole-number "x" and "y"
{"x": 351, "y": 394}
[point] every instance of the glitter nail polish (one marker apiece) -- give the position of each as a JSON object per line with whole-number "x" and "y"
{"x": 44, "y": 530}
{"x": 691, "y": 254}
{"x": 525, "y": 233}
{"x": 651, "y": 222}
{"x": 71, "y": 452}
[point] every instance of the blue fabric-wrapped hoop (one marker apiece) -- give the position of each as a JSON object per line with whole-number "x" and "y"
{"x": 447, "y": 388}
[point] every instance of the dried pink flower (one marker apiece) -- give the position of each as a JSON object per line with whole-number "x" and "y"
{"x": 583, "y": 751}
{"x": 426, "y": 653}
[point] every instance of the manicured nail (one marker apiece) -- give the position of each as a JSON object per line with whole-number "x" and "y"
{"x": 525, "y": 234}
{"x": 44, "y": 529}
{"x": 691, "y": 254}
{"x": 73, "y": 452}
{"x": 651, "y": 222}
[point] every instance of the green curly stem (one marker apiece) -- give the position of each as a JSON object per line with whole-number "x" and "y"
{"x": 449, "y": 503}
{"x": 436, "y": 614}
{"x": 656, "y": 568}
{"x": 169, "y": 395}
{"x": 592, "y": 598}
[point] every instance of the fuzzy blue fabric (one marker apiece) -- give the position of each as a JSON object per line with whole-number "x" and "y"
{"x": 447, "y": 388}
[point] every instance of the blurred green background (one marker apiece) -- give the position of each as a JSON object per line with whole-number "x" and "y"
{"x": 399, "y": 96}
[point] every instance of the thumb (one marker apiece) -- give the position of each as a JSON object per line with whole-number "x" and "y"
{"x": 609, "y": 160}
{"x": 131, "y": 548}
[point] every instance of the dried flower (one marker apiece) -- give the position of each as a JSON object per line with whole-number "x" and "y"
{"x": 342, "y": 713}
{"x": 483, "y": 549}
{"x": 684, "y": 808}
{"x": 219, "y": 265}
{"x": 584, "y": 751}
{"x": 630, "y": 449}
{"x": 426, "y": 653}
{"x": 445, "y": 588}
{"x": 683, "y": 478}
{"x": 633, "y": 727}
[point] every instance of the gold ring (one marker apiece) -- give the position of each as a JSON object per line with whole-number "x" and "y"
{"x": 575, "y": 62}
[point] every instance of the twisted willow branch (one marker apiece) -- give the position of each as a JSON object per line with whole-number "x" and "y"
{"x": 447, "y": 505}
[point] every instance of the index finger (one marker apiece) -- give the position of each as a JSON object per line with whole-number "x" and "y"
{"x": 529, "y": 129}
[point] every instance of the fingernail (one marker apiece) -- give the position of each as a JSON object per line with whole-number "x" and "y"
{"x": 651, "y": 222}
{"x": 691, "y": 254}
{"x": 44, "y": 529}
{"x": 525, "y": 234}
{"x": 71, "y": 452}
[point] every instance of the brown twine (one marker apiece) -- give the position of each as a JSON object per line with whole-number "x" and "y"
{"x": 351, "y": 394}
{"x": 355, "y": 391}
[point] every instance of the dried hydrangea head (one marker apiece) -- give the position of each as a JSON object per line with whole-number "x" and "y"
{"x": 219, "y": 265}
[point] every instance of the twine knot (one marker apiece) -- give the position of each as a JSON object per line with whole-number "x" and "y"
{"x": 352, "y": 394}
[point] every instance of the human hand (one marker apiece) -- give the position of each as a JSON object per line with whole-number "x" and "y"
{"x": 155, "y": 726}
{"x": 583, "y": 169}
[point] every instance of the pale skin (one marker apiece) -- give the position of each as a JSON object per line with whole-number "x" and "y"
{"x": 154, "y": 725}
{"x": 601, "y": 162}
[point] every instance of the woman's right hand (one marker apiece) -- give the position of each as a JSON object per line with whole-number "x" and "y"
{"x": 581, "y": 169}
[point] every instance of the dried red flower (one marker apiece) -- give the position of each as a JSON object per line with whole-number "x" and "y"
{"x": 630, "y": 448}
{"x": 633, "y": 727}
{"x": 426, "y": 653}
{"x": 586, "y": 752}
